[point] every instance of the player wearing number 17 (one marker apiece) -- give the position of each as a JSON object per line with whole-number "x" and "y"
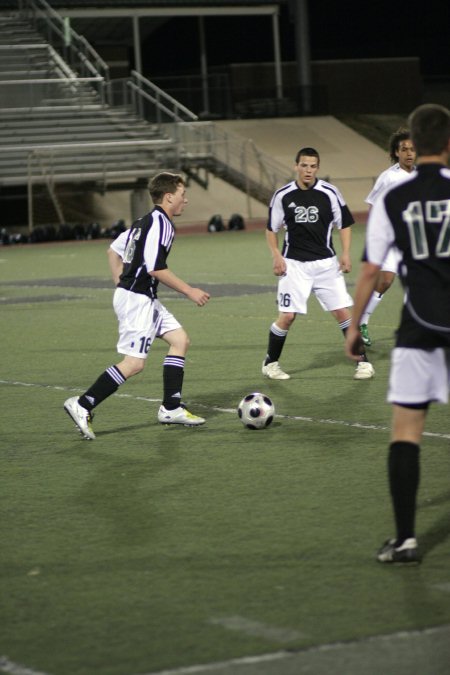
{"x": 413, "y": 216}
{"x": 308, "y": 209}
{"x": 138, "y": 262}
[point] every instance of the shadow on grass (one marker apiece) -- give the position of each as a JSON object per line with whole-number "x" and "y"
{"x": 438, "y": 532}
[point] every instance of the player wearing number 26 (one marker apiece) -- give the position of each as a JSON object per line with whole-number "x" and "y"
{"x": 138, "y": 262}
{"x": 413, "y": 216}
{"x": 308, "y": 209}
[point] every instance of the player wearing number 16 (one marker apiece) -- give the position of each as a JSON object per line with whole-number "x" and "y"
{"x": 308, "y": 209}
{"x": 138, "y": 262}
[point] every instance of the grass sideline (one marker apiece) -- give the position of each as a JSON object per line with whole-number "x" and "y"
{"x": 154, "y": 548}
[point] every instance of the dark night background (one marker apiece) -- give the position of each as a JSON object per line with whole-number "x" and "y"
{"x": 337, "y": 30}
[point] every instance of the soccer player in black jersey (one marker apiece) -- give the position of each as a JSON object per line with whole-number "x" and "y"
{"x": 138, "y": 261}
{"x": 414, "y": 216}
{"x": 308, "y": 209}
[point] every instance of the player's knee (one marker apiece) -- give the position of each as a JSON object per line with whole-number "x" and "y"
{"x": 131, "y": 366}
{"x": 384, "y": 286}
{"x": 186, "y": 342}
{"x": 285, "y": 320}
{"x": 341, "y": 315}
{"x": 384, "y": 282}
{"x": 138, "y": 367}
{"x": 181, "y": 342}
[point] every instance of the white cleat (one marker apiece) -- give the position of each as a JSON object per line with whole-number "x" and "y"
{"x": 179, "y": 416}
{"x": 81, "y": 417}
{"x": 274, "y": 372}
{"x": 364, "y": 371}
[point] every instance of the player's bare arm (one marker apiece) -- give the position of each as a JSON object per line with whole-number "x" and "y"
{"x": 364, "y": 287}
{"x": 115, "y": 265}
{"x": 345, "y": 261}
{"x": 278, "y": 262}
{"x": 168, "y": 278}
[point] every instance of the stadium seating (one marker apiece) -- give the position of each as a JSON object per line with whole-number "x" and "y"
{"x": 64, "y": 122}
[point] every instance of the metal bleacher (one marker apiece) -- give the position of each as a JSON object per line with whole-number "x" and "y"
{"x": 63, "y": 122}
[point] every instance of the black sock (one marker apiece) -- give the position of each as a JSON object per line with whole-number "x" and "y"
{"x": 404, "y": 475}
{"x": 173, "y": 373}
{"x": 277, "y": 338}
{"x": 107, "y": 384}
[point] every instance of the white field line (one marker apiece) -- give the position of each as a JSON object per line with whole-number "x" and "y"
{"x": 257, "y": 628}
{"x": 284, "y": 655}
{"x": 219, "y": 665}
{"x": 313, "y": 420}
{"x": 16, "y": 668}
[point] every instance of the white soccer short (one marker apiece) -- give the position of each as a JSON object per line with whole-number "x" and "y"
{"x": 419, "y": 376}
{"x": 321, "y": 277}
{"x": 391, "y": 261}
{"x": 141, "y": 320}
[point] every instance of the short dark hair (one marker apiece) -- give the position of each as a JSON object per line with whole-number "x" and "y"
{"x": 402, "y": 134}
{"x": 163, "y": 183}
{"x": 306, "y": 152}
{"x": 430, "y": 128}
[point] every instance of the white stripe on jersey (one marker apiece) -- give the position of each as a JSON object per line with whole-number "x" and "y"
{"x": 161, "y": 233}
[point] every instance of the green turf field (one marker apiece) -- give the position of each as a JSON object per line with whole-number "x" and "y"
{"x": 161, "y": 548}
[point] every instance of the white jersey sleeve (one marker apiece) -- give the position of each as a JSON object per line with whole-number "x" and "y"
{"x": 119, "y": 243}
{"x": 380, "y": 235}
{"x": 394, "y": 174}
{"x": 276, "y": 208}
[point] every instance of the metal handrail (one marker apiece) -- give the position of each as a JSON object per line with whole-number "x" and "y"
{"x": 26, "y": 47}
{"x": 146, "y": 89}
{"x": 51, "y": 80}
{"x": 73, "y": 47}
{"x": 207, "y": 140}
{"x": 64, "y": 147}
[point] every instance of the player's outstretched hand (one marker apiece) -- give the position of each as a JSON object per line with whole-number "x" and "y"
{"x": 354, "y": 345}
{"x": 199, "y": 297}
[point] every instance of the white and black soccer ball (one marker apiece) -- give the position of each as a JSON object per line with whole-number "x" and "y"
{"x": 256, "y": 411}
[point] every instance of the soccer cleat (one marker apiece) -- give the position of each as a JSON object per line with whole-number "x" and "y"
{"x": 406, "y": 553}
{"x": 81, "y": 417}
{"x": 274, "y": 372}
{"x": 179, "y": 416}
{"x": 364, "y": 330}
{"x": 364, "y": 371}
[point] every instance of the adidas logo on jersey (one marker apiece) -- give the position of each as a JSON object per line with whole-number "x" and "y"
{"x": 292, "y": 205}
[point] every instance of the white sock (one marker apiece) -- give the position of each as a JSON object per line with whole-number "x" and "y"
{"x": 371, "y": 306}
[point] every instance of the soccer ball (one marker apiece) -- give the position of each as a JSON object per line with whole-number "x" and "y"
{"x": 256, "y": 411}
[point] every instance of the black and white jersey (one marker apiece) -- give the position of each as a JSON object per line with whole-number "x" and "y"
{"x": 308, "y": 217}
{"x": 414, "y": 216}
{"x": 144, "y": 248}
